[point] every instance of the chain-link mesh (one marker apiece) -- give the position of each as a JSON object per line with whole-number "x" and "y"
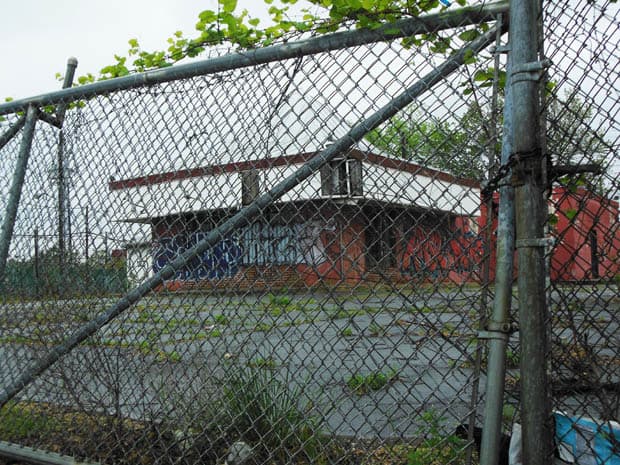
{"x": 339, "y": 321}
{"x": 582, "y": 141}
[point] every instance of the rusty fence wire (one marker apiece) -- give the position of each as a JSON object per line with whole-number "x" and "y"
{"x": 290, "y": 259}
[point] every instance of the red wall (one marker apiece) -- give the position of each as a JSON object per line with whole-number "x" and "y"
{"x": 425, "y": 249}
{"x": 575, "y": 218}
{"x": 587, "y": 236}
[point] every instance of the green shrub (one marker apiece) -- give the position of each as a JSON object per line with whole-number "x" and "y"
{"x": 266, "y": 412}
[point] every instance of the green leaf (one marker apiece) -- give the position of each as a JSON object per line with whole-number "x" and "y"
{"x": 552, "y": 220}
{"x": 483, "y": 75}
{"x": 228, "y": 5}
{"x": 469, "y": 57}
{"x": 470, "y": 35}
{"x": 571, "y": 213}
{"x": 208, "y": 16}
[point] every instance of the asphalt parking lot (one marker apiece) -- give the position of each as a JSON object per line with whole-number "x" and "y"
{"x": 174, "y": 352}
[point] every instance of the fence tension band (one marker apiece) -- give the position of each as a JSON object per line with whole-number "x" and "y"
{"x": 497, "y": 330}
{"x": 530, "y": 71}
{"x": 502, "y": 49}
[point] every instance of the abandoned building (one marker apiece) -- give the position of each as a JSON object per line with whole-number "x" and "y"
{"x": 363, "y": 217}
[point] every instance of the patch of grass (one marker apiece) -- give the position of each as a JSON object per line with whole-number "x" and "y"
{"x": 362, "y": 384}
{"x": 221, "y": 319}
{"x": 260, "y": 362}
{"x": 276, "y": 311}
{"x": 164, "y": 356}
{"x": 508, "y": 413}
{"x": 513, "y": 359}
{"x": 18, "y": 420}
{"x": 424, "y": 310}
{"x": 264, "y": 327}
{"x": 346, "y": 332}
{"x": 17, "y": 339}
{"x": 376, "y": 330}
{"x": 85, "y": 435}
{"x": 438, "y": 447}
{"x": 279, "y": 300}
{"x": 146, "y": 316}
{"x": 449, "y": 330}
{"x": 339, "y": 313}
{"x": 215, "y": 333}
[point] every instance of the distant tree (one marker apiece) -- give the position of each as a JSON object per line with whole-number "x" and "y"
{"x": 445, "y": 145}
{"x": 463, "y": 146}
{"x": 572, "y": 136}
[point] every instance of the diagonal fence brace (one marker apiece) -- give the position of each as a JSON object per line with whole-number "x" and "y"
{"x": 17, "y": 184}
{"x": 250, "y": 212}
{"x": 6, "y": 137}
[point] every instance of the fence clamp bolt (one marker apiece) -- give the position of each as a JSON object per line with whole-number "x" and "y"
{"x": 496, "y": 330}
{"x": 501, "y": 49}
{"x": 530, "y": 71}
{"x": 535, "y": 242}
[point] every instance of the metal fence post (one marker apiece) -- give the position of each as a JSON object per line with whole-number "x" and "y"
{"x": 16, "y": 188}
{"x": 526, "y": 72}
{"x": 60, "y": 165}
{"x": 488, "y": 241}
{"x": 499, "y": 325}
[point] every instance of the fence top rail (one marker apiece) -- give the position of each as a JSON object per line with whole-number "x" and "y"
{"x": 329, "y": 42}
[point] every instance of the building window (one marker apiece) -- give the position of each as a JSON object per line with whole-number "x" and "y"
{"x": 342, "y": 177}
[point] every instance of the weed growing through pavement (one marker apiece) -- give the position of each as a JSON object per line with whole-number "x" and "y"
{"x": 362, "y": 384}
{"x": 438, "y": 447}
{"x": 267, "y": 413}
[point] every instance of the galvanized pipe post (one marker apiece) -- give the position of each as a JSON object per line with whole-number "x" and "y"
{"x": 529, "y": 196}
{"x": 60, "y": 165}
{"x": 488, "y": 239}
{"x": 498, "y": 328}
{"x": 16, "y": 188}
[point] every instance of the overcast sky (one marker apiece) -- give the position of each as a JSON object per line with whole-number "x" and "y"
{"x": 39, "y": 35}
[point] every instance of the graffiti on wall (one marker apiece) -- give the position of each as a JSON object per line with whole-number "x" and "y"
{"x": 217, "y": 262}
{"x": 431, "y": 254}
{"x": 257, "y": 244}
{"x": 266, "y": 244}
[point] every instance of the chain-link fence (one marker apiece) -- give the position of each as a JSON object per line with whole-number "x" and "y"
{"x": 583, "y": 299}
{"x": 288, "y": 255}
